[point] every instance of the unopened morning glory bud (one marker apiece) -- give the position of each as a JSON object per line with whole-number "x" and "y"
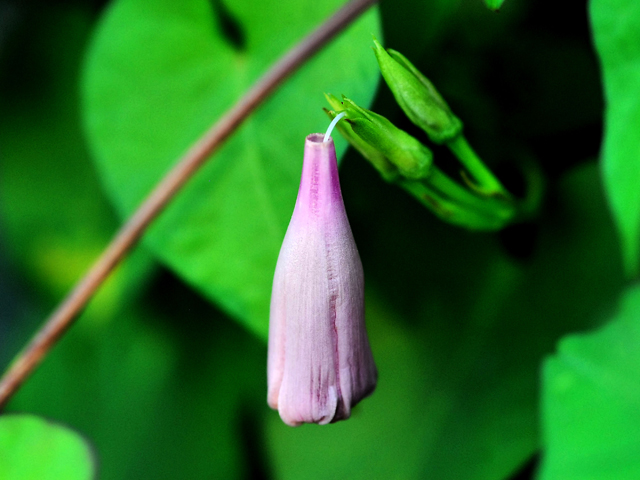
{"x": 319, "y": 363}
{"x": 417, "y": 96}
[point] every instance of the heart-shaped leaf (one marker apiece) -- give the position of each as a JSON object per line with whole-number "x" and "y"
{"x": 160, "y": 72}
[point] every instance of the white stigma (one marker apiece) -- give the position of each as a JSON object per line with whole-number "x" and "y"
{"x": 327, "y": 135}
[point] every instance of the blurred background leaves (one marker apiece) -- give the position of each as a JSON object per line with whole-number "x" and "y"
{"x": 34, "y": 449}
{"x": 494, "y": 4}
{"x": 616, "y": 30}
{"x": 590, "y": 400}
{"x": 168, "y": 385}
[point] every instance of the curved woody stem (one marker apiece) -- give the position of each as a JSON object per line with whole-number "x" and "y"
{"x": 129, "y": 234}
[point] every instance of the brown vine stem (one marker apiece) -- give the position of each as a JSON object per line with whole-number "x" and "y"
{"x": 63, "y": 317}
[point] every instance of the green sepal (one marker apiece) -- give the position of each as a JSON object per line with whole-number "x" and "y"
{"x": 334, "y": 102}
{"x": 417, "y": 96}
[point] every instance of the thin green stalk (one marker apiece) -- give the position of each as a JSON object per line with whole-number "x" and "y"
{"x": 487, "y": 183}
{"x": 455, "y": 204}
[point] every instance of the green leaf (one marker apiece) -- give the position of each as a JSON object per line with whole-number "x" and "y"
{"x": 159, "y": 73}
{"x": 35, "y": 449}
{"x": 494, "y": 4}
{"x": 616, "y": 30}
{"x": 591, "y": 393}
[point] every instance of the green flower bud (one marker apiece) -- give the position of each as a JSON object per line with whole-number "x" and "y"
{"x": 386, "y": 169}
{"x": 412, "y": 159}
{"x": 417, "y": 96}
{"x": 402, "y": 159}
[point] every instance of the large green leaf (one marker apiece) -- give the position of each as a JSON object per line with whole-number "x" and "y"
{"x": 616, "y": 29}
{"x": 159, "y": 72}
{"x": 35, "y": 449}
{"x": 458, "y": 330}
{"x": 591, "y": 393}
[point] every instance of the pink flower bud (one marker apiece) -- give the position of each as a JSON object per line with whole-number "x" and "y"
{"x": 320, "y": 363}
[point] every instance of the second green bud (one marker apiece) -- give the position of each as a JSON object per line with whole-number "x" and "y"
{"x": 417, "y": 96}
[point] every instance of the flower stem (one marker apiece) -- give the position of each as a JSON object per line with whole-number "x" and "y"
{"x": 63, "y": 317}
{"x": 487, "y": 183}
{"x": 456, "y": 204}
